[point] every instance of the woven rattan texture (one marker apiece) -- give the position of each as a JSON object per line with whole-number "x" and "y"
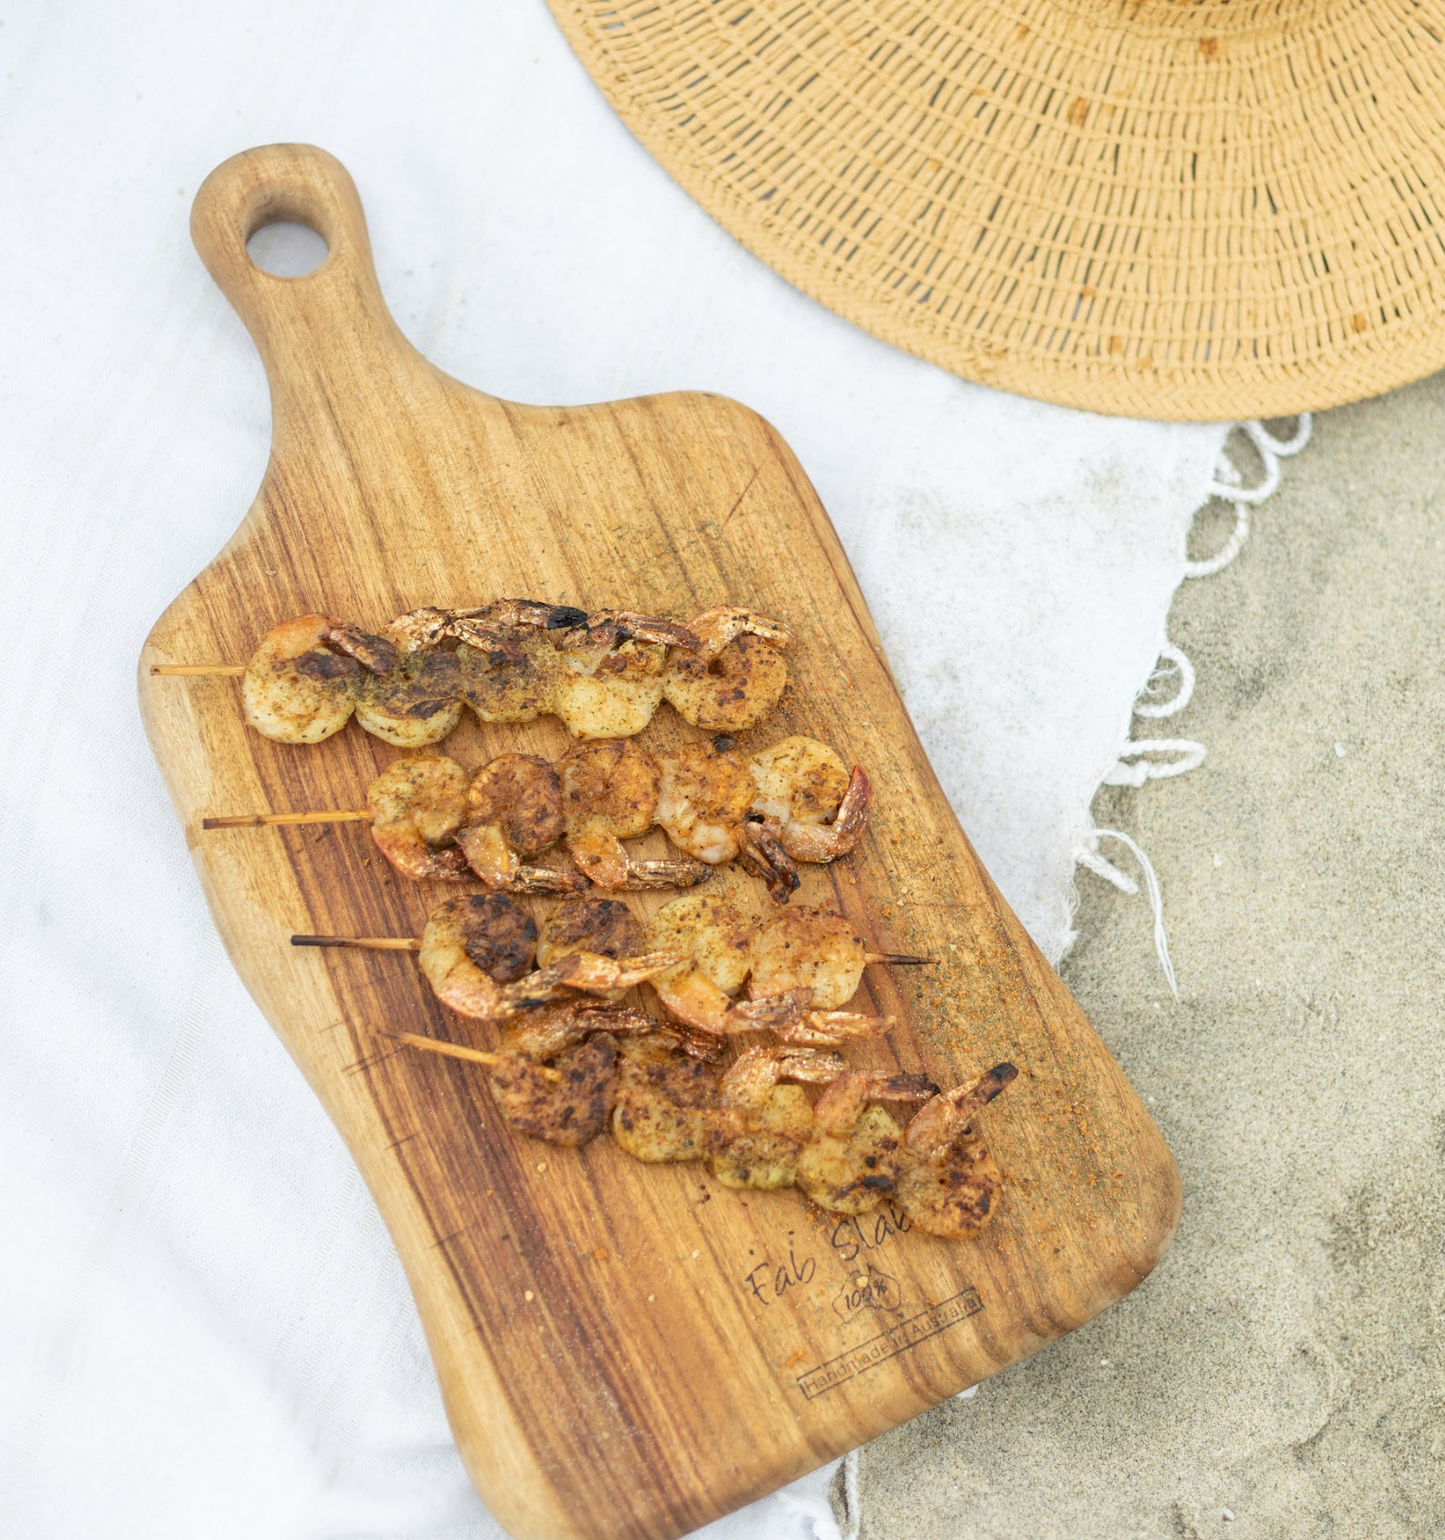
{"x": 1162, "y": 209}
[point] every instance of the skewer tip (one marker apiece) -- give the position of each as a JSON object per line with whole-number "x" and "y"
{"x": 261, "y": 820}
{"x": 200, "y": 670}
{"x": 363, "y": 943}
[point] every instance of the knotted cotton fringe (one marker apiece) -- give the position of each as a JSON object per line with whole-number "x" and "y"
{"x": 1137, "y": 761}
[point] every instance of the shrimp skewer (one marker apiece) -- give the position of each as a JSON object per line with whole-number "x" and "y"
{"x": 475, "y": 951}
{"x": 697, "y": 952}
{"x": 517, "y": 806}
{"x": 605, "y": 678}
{"x": 560, "y": 1073}
{"x": 735, "y": 676}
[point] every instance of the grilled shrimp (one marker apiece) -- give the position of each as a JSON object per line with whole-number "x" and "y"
{"x": 508, "y": 662}
{"x": 512, "y": 684}
{"x": 604, "y": 926}
{"x": 299, "y": 686}
{"x": 705, "y": 797}
{"x": 715, "y": 941}
{"x": 822, "y": 953}
{"x": 951, "y": 1181}
{"x": 554, "y": 1076}
{"x": 809, "y": 801}
{"x": 704, "y": 793}
{"x": 856, "y": 1154}
{"x": 417, "y": 806}
{"x": 760, "y": 1127}
{"x": 609, "y": 794}
{"x": 665, "y": 1101}
{"x": 735, "y": 677}
{"x": 418, "y": 700}
{"x": 464, "y": 935}
{"x": 514, "y": 810}
{"x": 609, "y": 679}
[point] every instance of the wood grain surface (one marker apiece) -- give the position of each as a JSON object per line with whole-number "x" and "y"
{"x": 624, "y": 1350}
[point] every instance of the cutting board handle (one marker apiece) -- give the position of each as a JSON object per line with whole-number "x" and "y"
{"x": 312, "y": 328}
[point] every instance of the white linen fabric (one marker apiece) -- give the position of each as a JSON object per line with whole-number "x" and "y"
{"x": 203, "y": 1328}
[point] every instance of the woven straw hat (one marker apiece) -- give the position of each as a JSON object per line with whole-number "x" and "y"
{"x": 1167, "y": 208}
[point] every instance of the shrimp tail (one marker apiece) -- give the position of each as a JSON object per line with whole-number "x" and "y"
{"x": 495, "y": 629}
{"x": 853, "y": 810}
{"x": 623, "y": 972}
{"x": 762, "y": 850}
{"x": 414, "y": 859}
{"x": 903, "y": 1088}
{"x": 772, "y": 1013}
{"x": 702, "y": 1046}
{"x": 825, "y": 1029}
{"x": 983, "y": 1091}
{"x": 826, "y": 842}
{"x": 375, "y": 654}
{"x": 533, "y": 613}
{"x": 810, "y": 1065}
{"x": 720, "y": 626}
{"x": 545, "y": 879}
{"x": 616, "y": 1023}
{"x": 945, "y": 1117}
{"x": 648, "y": 628}
{"x": 421, "y": 628}
{"x": 664, "y": 874}
{"x": 608, "y": 629}
{"x": 591, "y": 973}
{"x": 485, "y": 850}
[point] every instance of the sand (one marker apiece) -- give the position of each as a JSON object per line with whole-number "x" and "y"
{"x": 1282, "y": 1374}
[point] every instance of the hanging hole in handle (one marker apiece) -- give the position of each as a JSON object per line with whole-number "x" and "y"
{"x": 285, "y": 248}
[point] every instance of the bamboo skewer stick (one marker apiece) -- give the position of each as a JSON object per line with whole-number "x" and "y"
{"x": 255, "y": 820}
{"x": 413, "y": 944}
{"x": 363, "y": 943}
{"x": 436, "y": 1045}
{"x": 201, "y": 670}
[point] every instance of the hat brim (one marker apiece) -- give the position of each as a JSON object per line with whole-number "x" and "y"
{"x": 1198, "y": 212}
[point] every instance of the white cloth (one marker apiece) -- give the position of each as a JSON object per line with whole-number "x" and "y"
{"x": 203, "y": 1329}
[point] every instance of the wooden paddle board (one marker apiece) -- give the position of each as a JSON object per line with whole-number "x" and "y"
{"x": 624, "y": 1349}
